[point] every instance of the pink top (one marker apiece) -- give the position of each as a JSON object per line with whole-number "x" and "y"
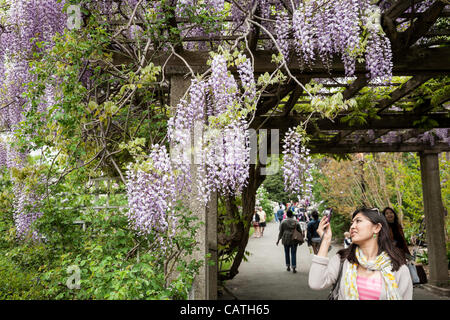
{"x": 368, "y": 288}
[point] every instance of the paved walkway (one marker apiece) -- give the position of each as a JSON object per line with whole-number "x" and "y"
{"x": 264, "y": 275}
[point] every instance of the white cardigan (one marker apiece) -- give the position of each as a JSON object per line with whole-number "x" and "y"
{"x": 324, "y": 272}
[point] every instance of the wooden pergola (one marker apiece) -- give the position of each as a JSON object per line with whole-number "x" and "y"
{"x": 421, "y": 60}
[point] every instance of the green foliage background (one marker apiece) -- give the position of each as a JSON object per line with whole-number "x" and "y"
{"x": 397, "y": 181}
{"x": 115, "y": 262}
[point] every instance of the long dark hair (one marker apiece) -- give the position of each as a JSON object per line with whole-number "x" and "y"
{"x": 397, "y": 231}
{"x": 393, "y": 211}
{"x": 384, "y": 242}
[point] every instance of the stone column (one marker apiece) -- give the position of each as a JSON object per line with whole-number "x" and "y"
{"x": 434, "y": 218}
{"x": 211, "y": 235}
{"x": 205, "y": 283}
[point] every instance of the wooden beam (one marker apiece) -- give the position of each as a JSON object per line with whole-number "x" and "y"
{"x": 403, "y": 91}
{"x": 413, "y": 133}
{"x": 295, "y": 95}
{"x": 444, "y": 14}
{"x": 378, "y": 134}
{"x": 375, "y": 85}
{"x": 398, "y": 8}
{"x": 357, "y": 85}
{"x": 417, "y": 61}
{"x": 341, "y": 136}
{"x": 121, "y": 22}
{"x": 363, "y": 137}
{"x": 378, "y": 147}
{"x": 420, "y": 27}
{"x": 268, "y": 104}
{"x": 394, "y": 121}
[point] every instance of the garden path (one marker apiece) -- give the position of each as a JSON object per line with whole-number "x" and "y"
{"x": 264, "y": 275}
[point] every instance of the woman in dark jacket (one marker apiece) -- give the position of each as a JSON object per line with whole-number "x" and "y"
{"x": 287, "y": 227}
{"x": 311, "y": 234}
{"x": 396, "y": 230}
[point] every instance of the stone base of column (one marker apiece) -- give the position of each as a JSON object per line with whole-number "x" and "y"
{"x": 440, "y": 291}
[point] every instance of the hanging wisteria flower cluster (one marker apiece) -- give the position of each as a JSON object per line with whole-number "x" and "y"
{"x": 296, "y": 165}
{"x": 222, "y": 151}
{"x": 25, "y": 217}
{"x": 220, "y": 155}
{"x": 282, "y": 32}
{"x": 227, "y": 160}
{"x": 25, "y": 202}
{"x": 245, "y": 72}
{"x": 315, "y": 29}
{"x": 3, "y": 155}
{"x": 151, "y": 191}
{"x": 334, "y": 27}
{"x": 28, "y": 22}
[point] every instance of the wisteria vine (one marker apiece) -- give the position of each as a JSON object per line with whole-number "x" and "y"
{"x": 217, "y": 103}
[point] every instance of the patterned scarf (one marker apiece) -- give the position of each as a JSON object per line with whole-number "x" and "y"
{"x": 381, "y": 263}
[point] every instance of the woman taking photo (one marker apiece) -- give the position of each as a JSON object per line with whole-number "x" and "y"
{"x": 373, "y": 268}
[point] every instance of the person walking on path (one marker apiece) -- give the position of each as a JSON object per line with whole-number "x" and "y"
{"x": 290, "y": 246}
{"x": 312, "y": 236}
{"x": 280, "y": 214}
{"x": 372, "y": 267}
{"x": 396, "y": 230}
{"x": 347, "y": 240}
{"x": 262, "y": 221}
{"x": 275, "y": 210}
{"x": 255, "y": 222}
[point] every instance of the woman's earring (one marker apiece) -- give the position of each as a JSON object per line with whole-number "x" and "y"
{"x": 374, "y": 235}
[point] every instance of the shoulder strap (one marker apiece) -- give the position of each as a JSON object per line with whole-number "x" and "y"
{"x": 336, "y": 284}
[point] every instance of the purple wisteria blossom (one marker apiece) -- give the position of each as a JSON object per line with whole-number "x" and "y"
{"x": 28, "y": 22}
{"x": 152, "y": 194}
{"x": 282, "y": 28}
{"x": 223, "y": 87}
{"x": 247, "y": 77}
{"x": 3, "y": 155}
{"x": 335, "y": 28}
{"x": 296, "y": 165}
{"x": 304, "y": 34}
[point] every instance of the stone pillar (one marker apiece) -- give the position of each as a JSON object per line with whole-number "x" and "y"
{"x": 205, "y": 283}
{"x": 212, "y": 270}
{"x": 434, "y": 218}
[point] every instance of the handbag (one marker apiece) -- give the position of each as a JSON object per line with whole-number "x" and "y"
{"x": 334, "y": 293}
{"x": 413, "y": 272}
{"x": 422, "y": 274}
{"x": 418, "y": 274}
{"x": 298, "y": 236}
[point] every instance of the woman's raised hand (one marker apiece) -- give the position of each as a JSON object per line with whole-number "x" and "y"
{"x": 324, "y": 229}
